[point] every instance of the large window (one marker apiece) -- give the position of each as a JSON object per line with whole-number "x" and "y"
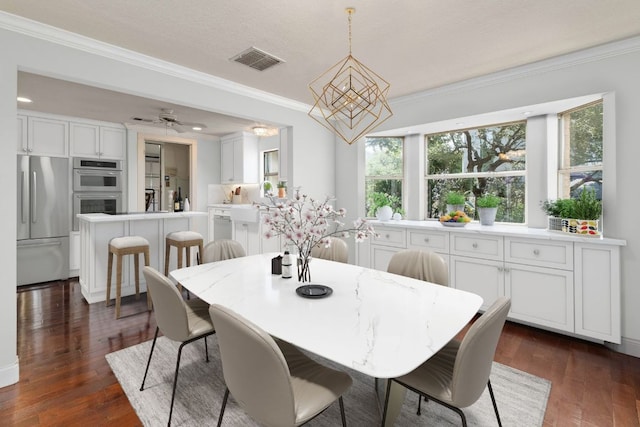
{"x": 581, "y": 151}
{"x": 270, "y": 164}
{"x": 384, "y": 172}
{"x": 478, "y": 161}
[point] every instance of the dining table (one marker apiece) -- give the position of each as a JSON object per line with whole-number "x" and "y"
{"x": 380, "y": 324}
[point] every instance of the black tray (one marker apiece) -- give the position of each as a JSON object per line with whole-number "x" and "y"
{"x": 314, "y": 291}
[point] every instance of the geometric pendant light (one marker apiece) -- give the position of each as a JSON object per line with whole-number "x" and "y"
{"x": 350, "y": 97}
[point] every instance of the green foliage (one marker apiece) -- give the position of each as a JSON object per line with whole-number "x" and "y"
{"x": 377, "y": 200}
{"x": 455, "y": 198}
{"x": 587, "y": 206}
{"x": 282, "y": 184}
{"x": 488, "y": 201}
{"x": 560, "y": 208}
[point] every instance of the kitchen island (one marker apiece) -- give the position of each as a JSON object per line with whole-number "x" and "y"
{"x": 96, "y": 230}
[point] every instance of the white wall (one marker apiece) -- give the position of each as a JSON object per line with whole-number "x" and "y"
{"x": 611, "y": 69}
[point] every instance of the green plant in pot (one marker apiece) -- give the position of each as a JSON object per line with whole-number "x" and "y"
{"x": 587, "y": 206}
{"x": 455, "y": 201}
{"x": 382, "y": 205}
{"x": 487, "y": 207}
{"x": 557, "y": 209}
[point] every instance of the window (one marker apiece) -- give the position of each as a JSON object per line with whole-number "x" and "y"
{"x": 477, "y": 161}
{"x": 384, "y": 172}
{"x": 270, "y": 162}
{"x": 581, "y": 151}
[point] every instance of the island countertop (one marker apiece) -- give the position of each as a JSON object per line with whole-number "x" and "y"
{"x": 137, "y": 216}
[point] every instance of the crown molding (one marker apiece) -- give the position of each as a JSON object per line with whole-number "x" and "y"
{"x": 66, "y": 38}
{"x": 598, "y": 53}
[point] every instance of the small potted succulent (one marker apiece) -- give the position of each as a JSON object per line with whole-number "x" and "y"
{"x": 556, "y": 210}
{"x": 487, "y": 207}
{"x": 282, "y": 189}
{"x": 455, "y": 201}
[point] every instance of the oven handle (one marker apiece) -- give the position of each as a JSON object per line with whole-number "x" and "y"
{"x": 95, "y": 196}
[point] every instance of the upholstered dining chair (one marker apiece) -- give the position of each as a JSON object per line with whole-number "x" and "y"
{"x": 456, "y": 376}
{"x": 222, "y": 249}
{"x": 338, "y": 250}
{"x": 274, "y": 382}
{"x": 421, "y": 265}
{"x": 179, "y": 320}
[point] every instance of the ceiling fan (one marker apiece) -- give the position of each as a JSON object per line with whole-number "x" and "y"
{"x": 168, "y": 119}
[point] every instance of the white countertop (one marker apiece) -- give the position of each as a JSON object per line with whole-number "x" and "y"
{"x": 100, "y": 217}
{"x": 498, "y": 229}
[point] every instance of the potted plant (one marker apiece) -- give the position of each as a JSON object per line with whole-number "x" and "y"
{"x": 557, "y": 209}
{"x": 282, "y": 189}
{"x": 455, "y": 201}
{"x": 381, "y": 205}
{"x": 585, "y": 214}
{"x": 487, "y": 207}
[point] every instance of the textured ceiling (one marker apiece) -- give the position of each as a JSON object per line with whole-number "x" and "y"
{"x": 413, "y": 44}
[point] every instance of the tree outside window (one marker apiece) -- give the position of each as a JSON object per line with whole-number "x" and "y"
{"x": 478, "y": 161}
{"x": 581, "y": 159}
{"x": 384, "y": 171}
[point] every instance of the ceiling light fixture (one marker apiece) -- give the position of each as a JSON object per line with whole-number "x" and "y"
{"x": 23, "y": 99}
{"x": 264, "y": 131}
{"x": 353, "y": 101}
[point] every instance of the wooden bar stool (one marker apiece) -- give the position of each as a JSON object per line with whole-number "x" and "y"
{"x": 182, "y": 240}
{"x": 121, "y": 246}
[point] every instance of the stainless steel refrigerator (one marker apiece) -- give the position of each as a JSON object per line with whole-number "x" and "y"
{"x": 43, "y": 219}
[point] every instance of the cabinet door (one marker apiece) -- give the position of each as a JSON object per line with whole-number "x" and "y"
{"x": 22, "y": 135}
{"x": 74, "y": 251}
{"x": 381, "y": 255}
{"x": 48, "y": 137}
{"x": 226, "y": 166}
{"x": 113, "y": 143}
{"x": 480, "y": 276}
{"x": 598, "y": 291}
{"x": 543, "y": 296}
{"x": 85, "y": 140}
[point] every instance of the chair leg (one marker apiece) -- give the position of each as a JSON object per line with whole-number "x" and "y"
{"x": 175, "y": 381}
{"x": 493, "y": 400}
{"x": 224, "y": 404}
{"x": 155, "y": 337}
{"x": 419, "y": 404}
{"x": 344, "y": 419}
{"x": 206, "y": 349}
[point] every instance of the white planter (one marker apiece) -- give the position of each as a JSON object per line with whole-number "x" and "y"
{"x": 453, "y": 208}
{"x": 384, "y": 213}
{"x": 487, "y": 215}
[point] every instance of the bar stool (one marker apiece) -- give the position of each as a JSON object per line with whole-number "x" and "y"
{"x": 182, "y": 239}
{"x": 121, "y": 246}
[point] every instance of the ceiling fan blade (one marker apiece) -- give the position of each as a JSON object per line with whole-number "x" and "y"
{"x": 191, "y": 124}
{"x": 141, "y": 119}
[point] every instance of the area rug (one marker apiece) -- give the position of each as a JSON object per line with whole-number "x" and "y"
{"x": 521, "y": 397}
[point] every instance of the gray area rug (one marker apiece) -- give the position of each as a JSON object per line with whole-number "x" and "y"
{"x": 521, "y": 397}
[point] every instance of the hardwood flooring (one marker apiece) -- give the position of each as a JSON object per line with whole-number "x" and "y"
{"x": 66, "y": 381}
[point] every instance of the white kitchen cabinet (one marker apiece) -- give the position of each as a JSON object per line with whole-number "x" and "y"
{"x": 387, "y": 242}
{"x": 480, "y": 276}
{"x": 22, "y": 135}
{"x": 597, "y": 291}
{"x": 239, "y": 159}
{"x": 247, "y": 234}
{"x": 74, "y": 253}
{"x": 44, "y": 137}
{"x": 94, "y": 141}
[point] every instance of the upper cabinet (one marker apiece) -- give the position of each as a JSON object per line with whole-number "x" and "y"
{"x": 239, "y": 158}
{"x": 39, "y": 136}
{"x": 94, "y": 141}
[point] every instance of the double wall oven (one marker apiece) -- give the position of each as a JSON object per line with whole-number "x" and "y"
{"x": 97, "y": 187}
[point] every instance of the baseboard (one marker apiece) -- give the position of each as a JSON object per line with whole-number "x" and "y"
{"x": 628, "y": 346}
{"x": 10, "y": 374}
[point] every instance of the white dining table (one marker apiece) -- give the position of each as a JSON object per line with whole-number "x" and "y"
{"x": 380, "y": 324}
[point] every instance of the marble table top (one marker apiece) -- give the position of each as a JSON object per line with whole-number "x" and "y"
{"x": 380, "y": 324}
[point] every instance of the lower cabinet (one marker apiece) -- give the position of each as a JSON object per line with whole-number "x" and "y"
{"x": 556, "y": 282}
{"x": 246, "y": 233}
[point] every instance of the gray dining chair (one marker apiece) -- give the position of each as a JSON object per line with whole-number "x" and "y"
{"x": 272, "y": 381}
{"x": 456, "y": 375}
{"x": 179, "y": 320}
{"x": 421, "y": 265}
{"x": 222, "y": 249}
{"x": 338, "y": 250}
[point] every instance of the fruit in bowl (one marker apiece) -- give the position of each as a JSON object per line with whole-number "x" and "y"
{"x": 455, "y": 217}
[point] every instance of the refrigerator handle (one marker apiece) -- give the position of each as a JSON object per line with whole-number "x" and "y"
{"x": 24, "y": 199}
{"x": 34, "y": 198}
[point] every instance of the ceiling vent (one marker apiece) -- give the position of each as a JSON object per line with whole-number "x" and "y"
{"x": 256, "y": 59}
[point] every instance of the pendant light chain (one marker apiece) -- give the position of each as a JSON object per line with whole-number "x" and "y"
{"x": 350, "y": 12}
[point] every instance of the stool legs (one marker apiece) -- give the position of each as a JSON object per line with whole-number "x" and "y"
{"x": 118, "y": 284}
{"x": 166, "y": 258}
{"x": 146, "y": 263}
{"x": 109, "y": 270}
{"x": 119, "y": 254}
{"x": 136, "y": 263}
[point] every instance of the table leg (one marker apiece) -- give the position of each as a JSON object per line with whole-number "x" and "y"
{"x": 397, "y": 394}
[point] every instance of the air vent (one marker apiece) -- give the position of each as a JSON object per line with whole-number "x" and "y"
{"x": 256, "y": 59}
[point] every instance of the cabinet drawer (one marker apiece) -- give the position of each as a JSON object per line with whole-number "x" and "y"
{"x": 540, "y": 253}
{"x": 391, "y": 237}
{"x": 488, "y": 247}
{"x": 221, "y": 212}
{"x": 432, "y": 240}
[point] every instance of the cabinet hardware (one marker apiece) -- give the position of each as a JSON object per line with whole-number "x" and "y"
{"x": 536, "y": 252}
{"x": 475, "y": 246}
{"x": 426, "y": 240}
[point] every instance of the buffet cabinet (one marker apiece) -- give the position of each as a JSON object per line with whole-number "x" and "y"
{"x": 555, "y": 282}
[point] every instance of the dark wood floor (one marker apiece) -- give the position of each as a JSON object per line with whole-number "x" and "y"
{"x": 65, "y": 379}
